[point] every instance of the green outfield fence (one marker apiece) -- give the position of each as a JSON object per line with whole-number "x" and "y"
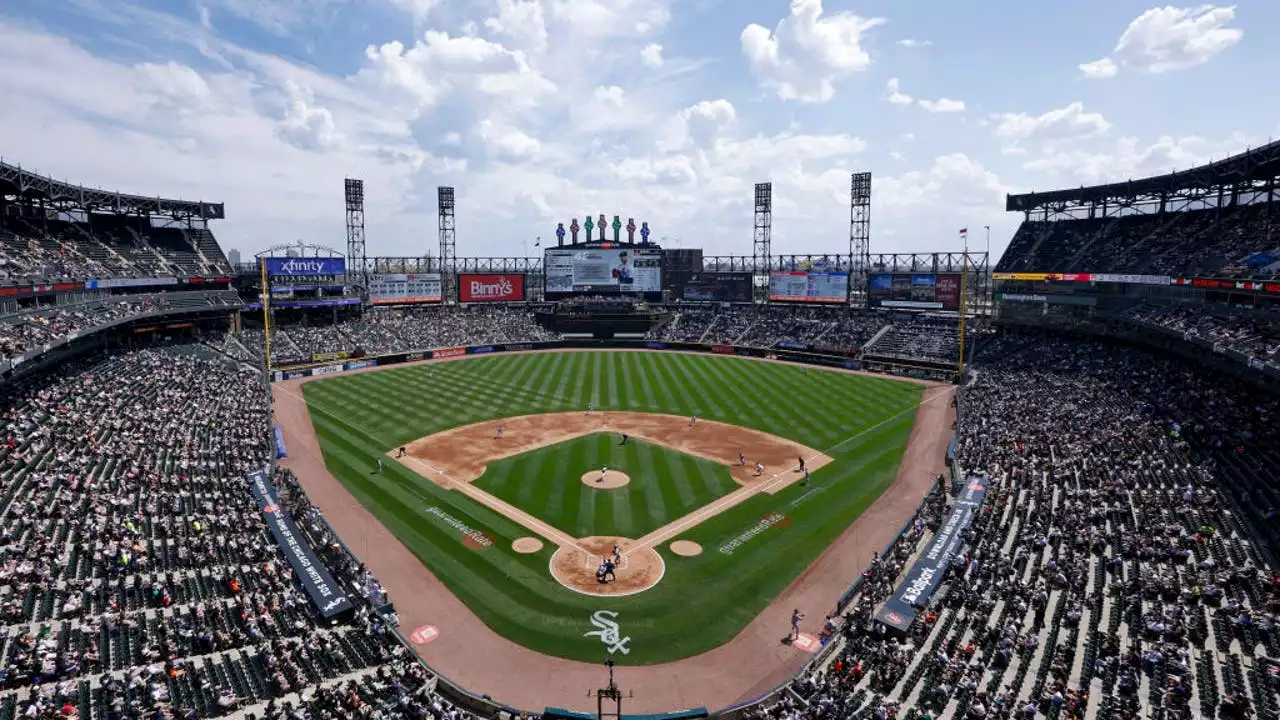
{"x": 484, "y": 706}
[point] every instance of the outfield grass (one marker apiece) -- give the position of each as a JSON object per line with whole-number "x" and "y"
{"x": 665, "y": 485}
{"x": 862, "y": 422}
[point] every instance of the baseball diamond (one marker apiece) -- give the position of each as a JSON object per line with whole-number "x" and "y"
{"x": 687, "y": 484}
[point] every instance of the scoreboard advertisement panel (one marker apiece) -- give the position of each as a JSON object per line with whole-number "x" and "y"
{"x": 814, "y": 287}
{"x": 490, "y": 287}
{"x": 717, "y": 287}
{"x": 914, "y": 291}
{"x": 602, "y": 271}
{"x": 398, "y": 288}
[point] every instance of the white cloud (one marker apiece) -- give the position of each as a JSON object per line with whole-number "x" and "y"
{"x": 1164, "y": 39}
{"x": 587, "y": 20}
{"x": 1099, "y": 69}
{"x": 507, "y": 143}
{"x": 913, "y": 43}
{"x": 609, "y": 95}
{"x": 1066, "y": 123}
{"x": 954, "y": 189}
{"x": 651, "y": 55}
{"x": 306, "y": 125}
{"x": 206, "y": 20}
{"x": 1129, "y": 159}
{"x": 522, "y": 21}
{"x": 419, "y": 9}
{"x": 943, "y": 105}
{"x": 807, "y": 53}
{"x": 896, "y": 96}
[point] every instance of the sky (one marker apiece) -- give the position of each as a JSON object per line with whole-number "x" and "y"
{"x": 666, "y": 111}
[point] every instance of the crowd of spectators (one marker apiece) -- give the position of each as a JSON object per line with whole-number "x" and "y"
{"x": 1255, "y": 334}
{"x": 820, "y": 328}
{"x": 137, "y": 578}
{"x": 1120, "y": 567}
{"x": 24, "y": 330}
{"x": 386, "y": 330}
{"x": 1239, "y": 241}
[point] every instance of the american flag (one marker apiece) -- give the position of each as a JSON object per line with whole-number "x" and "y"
{"x": 964, "y": 232}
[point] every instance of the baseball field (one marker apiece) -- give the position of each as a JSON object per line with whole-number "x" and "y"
{"x": 494, "y": 477}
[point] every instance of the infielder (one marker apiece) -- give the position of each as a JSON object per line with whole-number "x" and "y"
{"x": 693, "y": 420}
{"x": 604, "y": 473}
{"x": 801, "y": 459}
{"x": 590, "y": 407}
{"x": 501, "y": 429}
{"x": 624, "y": 439}
{"x": 401, "y": 453}
{"x": 759, "y": 469}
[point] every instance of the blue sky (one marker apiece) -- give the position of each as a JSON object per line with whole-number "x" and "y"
{"x": 667, "y": 111}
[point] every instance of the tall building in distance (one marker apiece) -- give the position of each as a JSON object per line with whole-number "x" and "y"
{"x": 233, "y": 257}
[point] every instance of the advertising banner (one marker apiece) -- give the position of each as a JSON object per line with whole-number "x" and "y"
{"x": 278, "y": 266}
{"x": 723, "y": 349}
{"x": 327, "y": 369}
{"x": 602, "y": 270}
{"x": 816, "y": 287}
{"x": 361, "y": 364}
{"x": 448, "y": 352}
{"x": 108, "y": 283}
{"x": 927, "y": 574}
{"x": 493, "y": 287}
{"x": 400, "y": 288}
{"x": 321, "y": 357}
{"x": 717, "y": 287}
{"x": 914, "y": 291}
{"x": 323, "y": 590}
{"x": 481, "y": 349}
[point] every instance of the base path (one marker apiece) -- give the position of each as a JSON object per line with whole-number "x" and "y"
{"x": 471, "y": 655}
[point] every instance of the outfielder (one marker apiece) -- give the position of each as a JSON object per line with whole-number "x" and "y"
{"x": 379, "y": 470}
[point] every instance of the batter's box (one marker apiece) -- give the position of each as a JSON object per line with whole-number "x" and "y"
{"x": 592, "y": 562}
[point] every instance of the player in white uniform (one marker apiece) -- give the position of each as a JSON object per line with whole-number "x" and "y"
{"x": 604, "y": 473}
{"x": 693, "y": 420}
{"x": 759, "y": 469}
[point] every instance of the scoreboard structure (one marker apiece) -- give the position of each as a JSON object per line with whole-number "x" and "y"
{"x": 914, "y": 291}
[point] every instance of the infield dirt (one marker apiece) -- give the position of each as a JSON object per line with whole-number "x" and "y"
{"x": 475, "y": 657}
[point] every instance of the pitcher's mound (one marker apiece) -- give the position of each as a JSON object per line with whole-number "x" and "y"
{"x": 611, "y": 480}
{"x": 526, "y": 545}
{"x": 686, "y": 548}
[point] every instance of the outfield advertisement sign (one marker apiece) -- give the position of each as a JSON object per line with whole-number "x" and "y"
{"x": 448, "y": 353}
{"x": 403, "y": 289}
{"x": 927, "y": 574}
{"x": 491, "y": 287}
{"x": 293, "y": 267}
{"x": 815, "y": 287}
{"x": 323, "y": 590}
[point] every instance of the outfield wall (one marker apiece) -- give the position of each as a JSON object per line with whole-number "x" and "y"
{"x": 799, "y": 356}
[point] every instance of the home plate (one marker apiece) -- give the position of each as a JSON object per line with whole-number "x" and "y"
{"x": 424, "y": 634}
{"x": 807, "y": 643}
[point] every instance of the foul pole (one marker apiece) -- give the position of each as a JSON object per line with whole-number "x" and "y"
{"x": 266, "y": 312}
{"x": 964, "y": 277}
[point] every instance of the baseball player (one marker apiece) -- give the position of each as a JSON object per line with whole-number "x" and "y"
{"x": 609, "y": 571}
{"x": 501, "y": 429}
{"x": 602, "y": 571}
{"x": 796, "y": 617}
{"x": 624, "y": 439}
{"x": 379, "y": 470}
{"x": 590, "y": 407}
{"x": 806, "y": 477}
{"x": 693, "y": 419}
{"x": 401, "y": 453}
{"x": 604, "y": 473}
{"x": 617, "y": 554}
{"x": 742, "y": 460}
{"x": 801, "y": 459}
{"x": 759, "y": 469}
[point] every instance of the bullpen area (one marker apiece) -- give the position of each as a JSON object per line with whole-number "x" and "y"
{"x": 645, "y": 507}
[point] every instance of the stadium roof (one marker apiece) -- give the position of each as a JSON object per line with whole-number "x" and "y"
{"x": 16, "y": 182}
{"x": 1256, "y": 165}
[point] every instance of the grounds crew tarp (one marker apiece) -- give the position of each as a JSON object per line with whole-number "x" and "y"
{"x": 323, "y": 590}
{"x": 927, "y": 574}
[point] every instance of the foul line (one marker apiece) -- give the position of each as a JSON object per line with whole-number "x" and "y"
{"x": 739, "y": 496}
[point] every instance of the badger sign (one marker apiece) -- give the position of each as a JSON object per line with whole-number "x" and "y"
{"x": 492, "y": 287}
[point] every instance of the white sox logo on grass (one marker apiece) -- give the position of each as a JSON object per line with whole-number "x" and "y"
{"x": 608, "y": 632}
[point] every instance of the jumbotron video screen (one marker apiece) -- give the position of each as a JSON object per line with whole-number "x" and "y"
{"x": 602, "y": 271}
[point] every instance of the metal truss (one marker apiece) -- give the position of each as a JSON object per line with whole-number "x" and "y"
{"x": 18, "y": 185}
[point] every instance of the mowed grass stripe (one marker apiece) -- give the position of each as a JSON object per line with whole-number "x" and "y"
{"x": 513, "y": 593}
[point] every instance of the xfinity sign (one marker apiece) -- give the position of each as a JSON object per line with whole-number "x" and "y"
{"x": 306, "y": 266}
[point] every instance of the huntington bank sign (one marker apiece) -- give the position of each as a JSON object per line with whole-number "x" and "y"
{"x": 306, "y": 266}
